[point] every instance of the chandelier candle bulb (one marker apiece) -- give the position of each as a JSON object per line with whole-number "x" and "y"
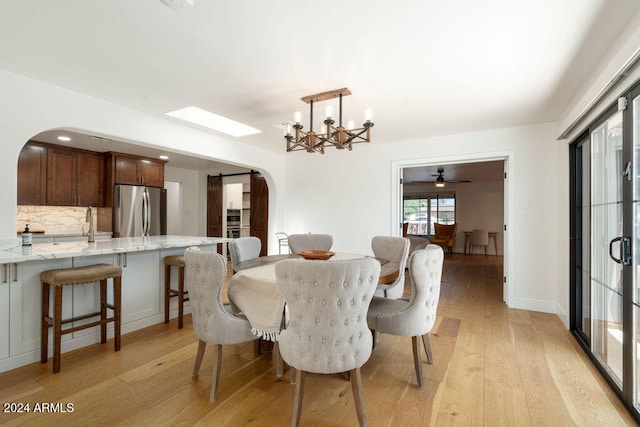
{"x": 368, "y": 115}
{"x": 328, "y": 111}
{"x": 297, "y": 117}
{"x": 287, "y": 129}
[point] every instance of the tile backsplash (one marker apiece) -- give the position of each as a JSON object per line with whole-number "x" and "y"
{"x": 54, "y": 219}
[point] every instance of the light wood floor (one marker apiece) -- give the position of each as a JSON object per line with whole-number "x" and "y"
{"x": 494, "y": 366}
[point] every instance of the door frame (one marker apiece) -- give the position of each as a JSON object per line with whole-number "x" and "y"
{"x": 508, "y": 157}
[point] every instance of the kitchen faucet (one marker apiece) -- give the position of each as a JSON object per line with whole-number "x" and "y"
{"x": 91, "y": 232}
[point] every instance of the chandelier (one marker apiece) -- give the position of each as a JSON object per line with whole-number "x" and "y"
{"x": 331, "y": 135}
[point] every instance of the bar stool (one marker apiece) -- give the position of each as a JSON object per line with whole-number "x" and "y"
{"x": 78, "y": 276}
{"x": 177, "y": 261}
{"x": 283, "y": 241}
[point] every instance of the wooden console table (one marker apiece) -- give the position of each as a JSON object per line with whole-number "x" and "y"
{"x": 492, "y": 234}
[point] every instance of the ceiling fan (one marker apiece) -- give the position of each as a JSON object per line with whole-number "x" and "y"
{"x": 440, "y": 181}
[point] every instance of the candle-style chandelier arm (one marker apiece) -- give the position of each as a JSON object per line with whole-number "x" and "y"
{"x": 301, "y": 140}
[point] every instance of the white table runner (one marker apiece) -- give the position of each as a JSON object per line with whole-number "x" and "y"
{"x": 256, "y": 294}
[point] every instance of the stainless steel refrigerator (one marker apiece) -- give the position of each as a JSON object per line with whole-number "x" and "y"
{"x": 139, "y": 211}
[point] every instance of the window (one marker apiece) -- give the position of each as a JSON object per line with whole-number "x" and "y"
{"x": 421, "y": 212}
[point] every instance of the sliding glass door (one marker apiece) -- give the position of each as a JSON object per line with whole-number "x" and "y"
{"x": 605, "y": 255}
{"x": 606, "y": 212}
{"x": 635, "y": 243}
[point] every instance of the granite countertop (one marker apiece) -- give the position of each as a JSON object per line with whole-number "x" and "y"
{"x": 44, "y": 251}
{"x": 42, "y": 234}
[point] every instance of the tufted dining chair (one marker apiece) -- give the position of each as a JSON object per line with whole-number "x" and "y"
{"x": 310, "y": 242}
{"x": 242, "y": 249}
{"x": 413, "y": 318}
{"x": 213, "y": 321}
{"x": 394, "y": 250}
{"x": 327, "y": 332}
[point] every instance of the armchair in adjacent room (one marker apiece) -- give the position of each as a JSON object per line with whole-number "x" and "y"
{"x": 445, "y": 236}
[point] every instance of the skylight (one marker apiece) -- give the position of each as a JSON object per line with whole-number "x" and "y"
{"x": 209, "y": 120}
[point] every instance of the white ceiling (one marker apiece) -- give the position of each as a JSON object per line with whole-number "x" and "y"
{"x": 425, "y": 67}
{"x": 478, "y": 171}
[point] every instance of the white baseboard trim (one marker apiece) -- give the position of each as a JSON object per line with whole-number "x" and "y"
{"x": 543, "y": 306}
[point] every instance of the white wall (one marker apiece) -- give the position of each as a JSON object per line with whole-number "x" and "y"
{"x": 29, "y": 107}
{"x": 478, "y": 205}
{"x": 350, "y": 195}
{"x": 189, "y": 213}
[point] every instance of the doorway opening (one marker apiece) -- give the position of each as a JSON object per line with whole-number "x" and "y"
{"x": 482, "y": 203}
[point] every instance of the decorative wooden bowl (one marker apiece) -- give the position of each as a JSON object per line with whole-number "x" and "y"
{"x": 317, "y": 255}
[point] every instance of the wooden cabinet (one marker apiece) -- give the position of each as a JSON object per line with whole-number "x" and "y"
{"x": 74, "y": 178}
{"x": 152, "y": 173}
{"x": 61, "y": 177}
{"x": 32, "y": 175}
{"x": 53, "y": 175}
{"x": 90, "y": 179}
{"x": 138, "y": 171}
{"x": 126, "y": 169}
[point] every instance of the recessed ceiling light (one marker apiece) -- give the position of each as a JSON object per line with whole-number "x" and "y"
{"x": 99, "y": 138}
{"x": 213, "y": 121}
{"x": 164, "y": 157}
{"x": 64, "y": 138}
{"x": 179, "y": 4}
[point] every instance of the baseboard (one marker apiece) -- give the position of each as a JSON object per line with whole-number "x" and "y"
{"x": 543, "y": 306}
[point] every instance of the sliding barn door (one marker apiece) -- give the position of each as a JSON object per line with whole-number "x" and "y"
{"x": 259, "y": 212}
{"x": 214, "y": 207}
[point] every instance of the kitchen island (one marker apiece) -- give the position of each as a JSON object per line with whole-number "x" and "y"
{"x": 142, "y": 288}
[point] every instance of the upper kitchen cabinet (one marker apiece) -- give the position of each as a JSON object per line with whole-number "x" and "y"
{"x": 137, "y": 170}
{"x": 74, "y": 178}
{"x": 32, "y": 175}
{"x": 90, "y": 189}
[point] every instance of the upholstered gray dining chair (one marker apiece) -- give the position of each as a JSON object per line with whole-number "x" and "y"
{"x": 327, "y": 331}
{"x": 213, "y": 321}
{"x": 394, "y": 250}
{"x": 310, "y": 242}
{"x": 413, "y": 317}
{"x": 479, "y": 238}
{"x": 242, "y": 249}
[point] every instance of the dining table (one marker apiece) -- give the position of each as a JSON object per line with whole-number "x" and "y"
{"x": 254, "y": 291}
